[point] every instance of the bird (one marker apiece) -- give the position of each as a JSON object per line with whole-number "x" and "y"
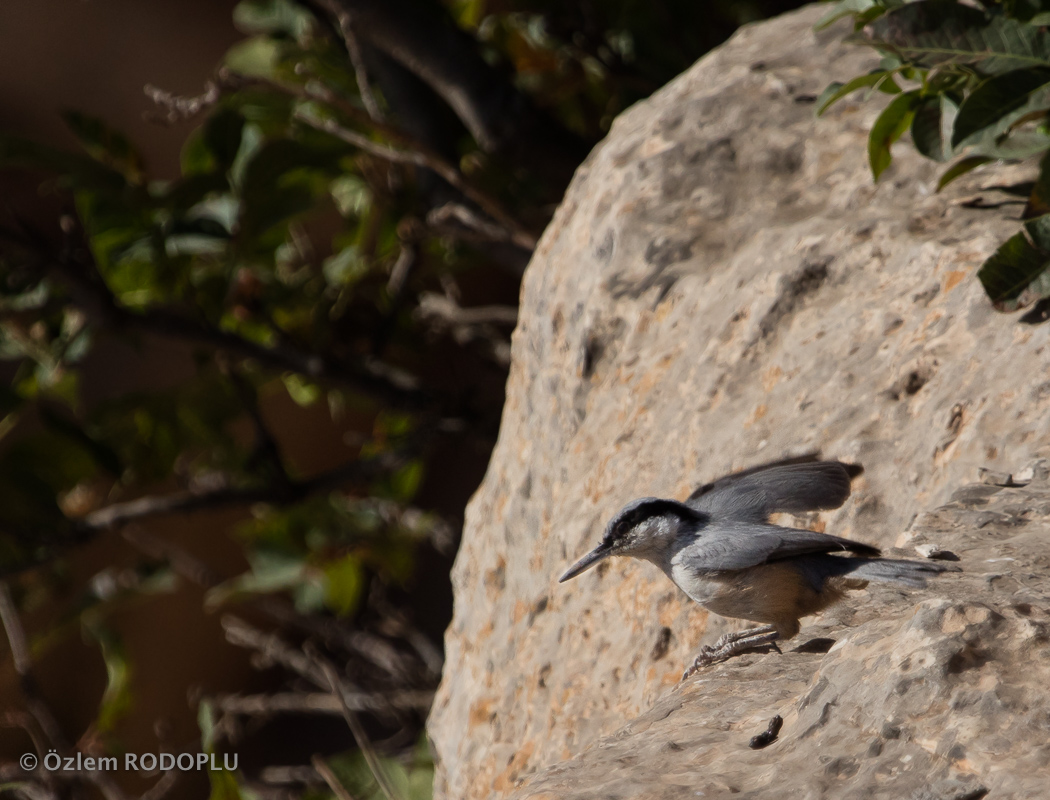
{"x": 720, "y": 548}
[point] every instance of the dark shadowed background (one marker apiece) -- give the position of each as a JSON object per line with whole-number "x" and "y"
{"x": 576, "y": 63}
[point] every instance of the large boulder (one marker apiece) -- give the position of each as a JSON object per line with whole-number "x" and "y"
{"x": 724, "y": 285}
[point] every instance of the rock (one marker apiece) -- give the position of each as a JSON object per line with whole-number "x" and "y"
{"x": 935, "y": 551}
{"x": 935, "y": 695}
{"x": 724, "y": 285}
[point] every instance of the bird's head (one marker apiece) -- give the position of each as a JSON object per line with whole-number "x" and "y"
{"x": 646, "y": 528}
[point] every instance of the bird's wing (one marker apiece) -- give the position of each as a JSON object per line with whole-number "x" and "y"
{"x": 793, "y": 485}
{"x": 728, "y": 545}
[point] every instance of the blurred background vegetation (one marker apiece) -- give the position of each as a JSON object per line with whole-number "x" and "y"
{"x": 254, "y": 331}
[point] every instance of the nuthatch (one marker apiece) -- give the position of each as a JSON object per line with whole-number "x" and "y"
{"x": 720, "y": 549}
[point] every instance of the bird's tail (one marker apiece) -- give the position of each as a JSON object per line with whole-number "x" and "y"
{"x": 893, "y": 570}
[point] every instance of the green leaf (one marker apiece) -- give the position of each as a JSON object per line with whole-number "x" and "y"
{"x": 836, "y": 91}
{"x": 1038, "y": 203}
{"x": 282, "y": 180}
{"x": 196, "y": 159}
{"x": 405, "y": 482}
{"x": 1038, "y": 230}
{"x": 74, "y": 169}
{"x": 206, "y": 723}
{"x": 344, "y": 267}
{"x": 845, "y": 8}
{"x": 302, "y": 391}
{"x": 105, "y": 144}
{"x": 1016, "y": 146}
{"x": 224, "y": 785}
{"x": 929, "y": 130}
{"x": 271, "y": 571}
{"x": 991, "y": 102}
{"x": 272, "y": 16}
{"x": 1016, "y": 273}
{"x": 351, "y": 194}
{"x": 117, "y": 699}
{"x": 344, "y": 582}
{"x": 102, "y": 454}
{"x": 888, "y": 128}
{"x": 258, "y": 57}
{"x": 932, "y": 32}
{"x": 222, "y": 136}
{"x": 960, "y": 168}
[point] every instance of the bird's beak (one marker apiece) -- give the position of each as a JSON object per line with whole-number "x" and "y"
{"x": 585, "y": 563}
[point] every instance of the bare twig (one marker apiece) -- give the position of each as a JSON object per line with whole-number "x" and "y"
{"x": 517, "y": 233}
{"x": 353, "y": 49}
{"x": 266, "y": 442}
{"x": 319, "y": 671}
{"x": 176, "y": 107}
{"x": 34, "y": 701}
{"x": 330, "y": 778}
{"x": 425, "y": 649}
{"x": 317, "y": 703}
{"x": 26, "y": 721}
{"x": 16, "y": 636}
{"x": 163, "y": 786}
{"x": 188, "y": 502}
{"x": 274, "y": 650}
{"x": 480, "y": 229}
{"x": 411, "y": 151}
{"x": 469, "y": 324}
{"x": 74, "y": 266}
{"x": 358, "y": 731}
{"x": 181, "y": 562}
{"x": 399, "y": 273}
{"x": 435, "y": 305}
{"x": 372, "y": 648}
{"x": 289, "y": 775}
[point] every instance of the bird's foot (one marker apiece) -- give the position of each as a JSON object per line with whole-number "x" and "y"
{"x": 725, "y": 648}
{"x": 735, "y": 636}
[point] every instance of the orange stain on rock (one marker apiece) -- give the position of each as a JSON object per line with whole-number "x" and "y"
{"x": 668, "y": 608}
{"x": 521, "y": 608}
{"x": 495, "y": 579}
{"x": 756, "y": 415}
{"x": 953, "y": 279}
{"x": 506, "y": 780}
{"x": 771, "y": 377}
{"x": 481, "y": 712}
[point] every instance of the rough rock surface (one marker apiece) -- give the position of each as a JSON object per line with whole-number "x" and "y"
{"x": 724, "y": 285}
{"x": 940, "y": 699}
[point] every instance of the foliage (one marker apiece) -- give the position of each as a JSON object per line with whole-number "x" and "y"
{"x": 290, "y": 257}
{"x": 971, "y": 83}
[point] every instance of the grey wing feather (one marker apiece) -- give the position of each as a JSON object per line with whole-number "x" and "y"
{"x": 729, "y": 545}
{"x": 793, "y": 485}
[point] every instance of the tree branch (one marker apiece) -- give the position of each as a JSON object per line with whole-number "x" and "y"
{"x": 34, "y": 701}
{"x": 417, "y": 155}
{"x": 274, "y": 650}
{"x": 318, "y": 702}
{"x": 353, "y": 49}
{"x": 74, "y": 266}
{"x": 335, "y": 685}
{"x": 188, "y": 502}
{"x": 330, "y": 778}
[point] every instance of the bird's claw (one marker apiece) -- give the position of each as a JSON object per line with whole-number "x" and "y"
{"x": 707, "y": 656}
{"x": 729, "y": 645}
